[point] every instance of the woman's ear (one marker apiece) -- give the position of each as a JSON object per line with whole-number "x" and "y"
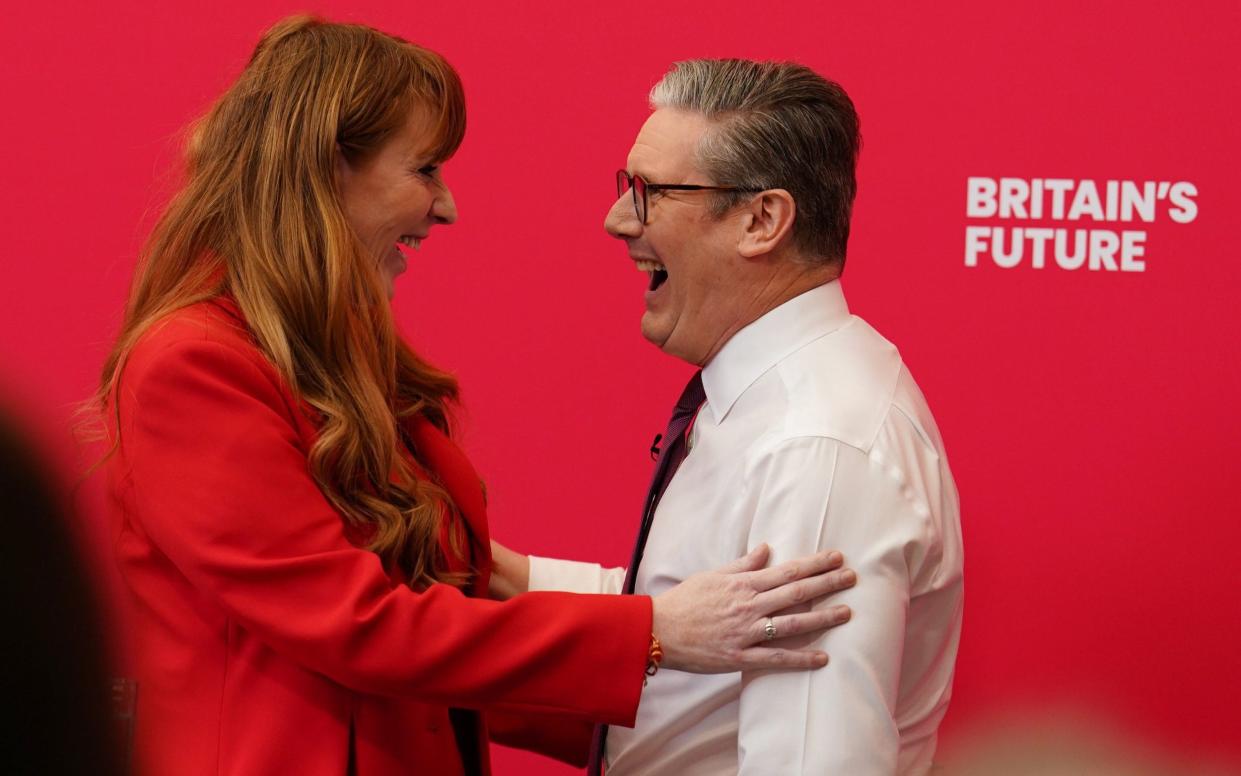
{"x": 343, "y": 170}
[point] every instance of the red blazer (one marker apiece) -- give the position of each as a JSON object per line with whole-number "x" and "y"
{"x": 267, "y": 643}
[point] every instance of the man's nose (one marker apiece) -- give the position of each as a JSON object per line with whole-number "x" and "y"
{"x": 621, "y": 221}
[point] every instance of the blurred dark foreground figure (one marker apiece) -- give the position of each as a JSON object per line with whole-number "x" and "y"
{"x": 54, "y": 658}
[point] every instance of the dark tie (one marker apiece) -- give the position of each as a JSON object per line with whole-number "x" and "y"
{"x": 675, "y": 448}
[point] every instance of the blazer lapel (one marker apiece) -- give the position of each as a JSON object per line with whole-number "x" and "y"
{"x": 458, "y": 477}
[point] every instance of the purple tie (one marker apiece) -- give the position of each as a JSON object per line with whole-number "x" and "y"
{"x": 670, "y": 457}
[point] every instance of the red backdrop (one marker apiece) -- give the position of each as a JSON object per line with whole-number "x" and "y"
{"x": 1089, "y": 414}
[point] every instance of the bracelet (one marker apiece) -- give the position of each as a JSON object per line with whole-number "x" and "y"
{"x": 653, "y": 657}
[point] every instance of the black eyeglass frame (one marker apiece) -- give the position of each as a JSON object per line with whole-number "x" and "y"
{"x": 626, "y": 182}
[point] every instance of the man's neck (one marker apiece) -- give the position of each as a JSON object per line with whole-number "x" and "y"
{"x": 792, "y": 281}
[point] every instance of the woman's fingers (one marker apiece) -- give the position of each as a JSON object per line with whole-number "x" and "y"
{"x": 784, "y": 625}
{"x": 792, "y": 570}
{"x": 805, "y": 590}
{"x": 760, "y": 658}
{"x": 763, "y": 657}
{"x": 751, "y": 561}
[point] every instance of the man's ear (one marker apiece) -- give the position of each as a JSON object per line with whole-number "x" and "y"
{"x": 767, "y": 221}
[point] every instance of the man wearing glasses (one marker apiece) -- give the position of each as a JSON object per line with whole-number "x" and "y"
{"x": 803, "y": 429}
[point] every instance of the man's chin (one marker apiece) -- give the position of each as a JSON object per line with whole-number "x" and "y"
{"x": 661, "y": 337}
{"x": 652, "y": 332}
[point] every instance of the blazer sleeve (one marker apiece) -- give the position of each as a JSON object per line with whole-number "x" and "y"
{"x": 565, "y": 738}
{"x": 219, "y": 482}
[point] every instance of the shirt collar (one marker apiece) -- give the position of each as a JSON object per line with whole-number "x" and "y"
{"x": 758, "y": 347}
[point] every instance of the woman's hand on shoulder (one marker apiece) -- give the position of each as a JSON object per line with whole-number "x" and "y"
{"x": 722, "y": 620}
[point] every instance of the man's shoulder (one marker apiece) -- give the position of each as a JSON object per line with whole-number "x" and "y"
{"x": 846, "y": 385}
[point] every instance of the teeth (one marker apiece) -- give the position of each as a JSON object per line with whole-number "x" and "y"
{"x": 644, "y": 265}
{"x": 412, "y": 242}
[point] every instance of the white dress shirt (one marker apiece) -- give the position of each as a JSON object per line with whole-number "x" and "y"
{"x": 813, "y": 436}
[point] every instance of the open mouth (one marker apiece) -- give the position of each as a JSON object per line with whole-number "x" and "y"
{"x": 657, "y": 272}
{"x": 409, "y": 241}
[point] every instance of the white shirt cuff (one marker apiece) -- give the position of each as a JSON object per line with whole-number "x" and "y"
{"x": 574, "y": 577}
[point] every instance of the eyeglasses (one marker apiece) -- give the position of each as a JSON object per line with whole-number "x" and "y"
{"x": 640, "y": 186}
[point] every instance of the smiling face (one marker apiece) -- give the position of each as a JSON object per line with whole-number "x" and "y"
{"x": 699, "y": 290}
{"x": 393, "y": 197}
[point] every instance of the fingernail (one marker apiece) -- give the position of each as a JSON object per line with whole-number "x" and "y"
{"x": 834, "y": 557}
{"x": 844, "y": 613}
{"x": 820, "y": 659}
{"x": 849, "y": 577}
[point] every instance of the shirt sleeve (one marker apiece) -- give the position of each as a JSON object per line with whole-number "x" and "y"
{"x": 810, "y": 494}
{"x": 574, "y": 576}
{"x": 216, "y": 478}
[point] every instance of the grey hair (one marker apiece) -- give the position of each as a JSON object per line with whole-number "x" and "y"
{"x": 774, "y": 125}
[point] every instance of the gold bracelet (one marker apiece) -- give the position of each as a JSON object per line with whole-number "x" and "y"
{"x": 654, "y": 657}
